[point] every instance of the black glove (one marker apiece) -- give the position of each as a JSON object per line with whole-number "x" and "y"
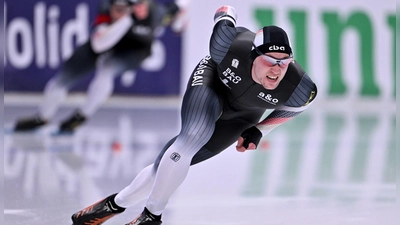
{"x": 251, "y": 135}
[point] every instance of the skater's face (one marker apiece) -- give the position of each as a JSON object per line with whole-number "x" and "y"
{"x": 117, "y": 11}
{"x": 270, "y": 68}
{"x": 141, "y": 10}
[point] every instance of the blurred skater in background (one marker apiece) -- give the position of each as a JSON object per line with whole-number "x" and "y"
{"x": 227, "y": 95}
{"x": 121, "y": 40}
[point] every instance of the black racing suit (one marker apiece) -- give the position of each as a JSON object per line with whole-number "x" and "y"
{"x": 222, "y": 100}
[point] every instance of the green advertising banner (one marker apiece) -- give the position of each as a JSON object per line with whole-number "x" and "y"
{"x": 347, "y": 47}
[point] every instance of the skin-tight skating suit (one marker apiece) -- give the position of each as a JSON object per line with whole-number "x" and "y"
{"x": 221, "y": 101}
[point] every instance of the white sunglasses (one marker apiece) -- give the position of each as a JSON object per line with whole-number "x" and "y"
{"x": 271, "y": 61}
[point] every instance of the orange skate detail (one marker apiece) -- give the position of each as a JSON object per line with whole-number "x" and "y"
{"x": 87, "y": 209}
{"x": 98, "y": 221}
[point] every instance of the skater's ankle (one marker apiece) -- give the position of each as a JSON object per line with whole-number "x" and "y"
{"x": 114, "y": 207}
{"x": 151, "y": 215}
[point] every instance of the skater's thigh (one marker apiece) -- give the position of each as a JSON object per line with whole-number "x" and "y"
{"x": 82, "y": 61}
{"x": 122, "y": 61}
{"x": 226, "y": 133}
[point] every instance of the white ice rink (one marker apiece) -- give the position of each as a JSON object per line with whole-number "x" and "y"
{"x": 322, "y": 168}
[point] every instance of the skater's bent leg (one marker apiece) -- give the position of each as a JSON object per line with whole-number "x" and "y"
{"x": 55, "y": 93}
{"x": 140, "y": 187}
{"x": 138, "y": 190}
{"x": 108, "y": 66}
{"x": 200, "y": 110}
{"x": 73, "y": 70}
{"x": 99, "y": 90}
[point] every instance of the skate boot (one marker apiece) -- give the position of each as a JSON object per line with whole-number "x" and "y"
{"x": 30, "y": 123}
{"x": 69, "y": 125}
{"x": 97, "y": 213}
{"x": 146, "y": 218}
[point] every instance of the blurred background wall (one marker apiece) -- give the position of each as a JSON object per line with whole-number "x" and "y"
{"x": 347, "y": 47}
{"x": 40, "y": 35}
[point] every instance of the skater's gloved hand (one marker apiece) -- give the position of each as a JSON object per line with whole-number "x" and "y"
{"x": 249, "y": 139}
{"x": 226, "y": 12}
